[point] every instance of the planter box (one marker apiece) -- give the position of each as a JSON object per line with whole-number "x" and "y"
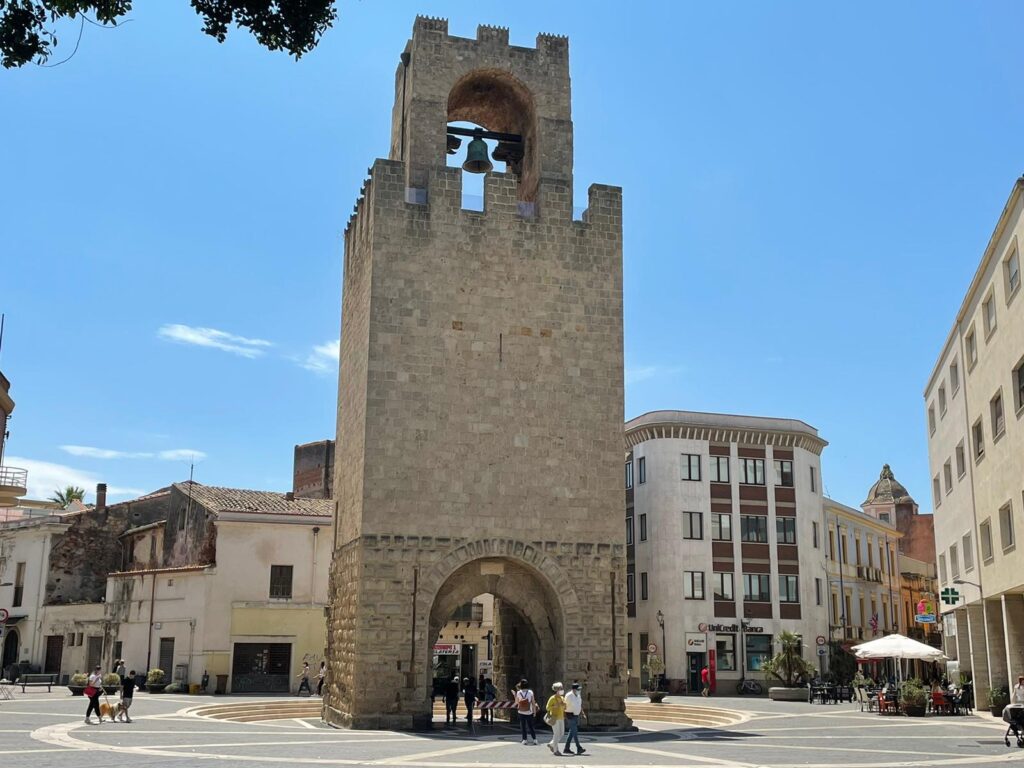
{"x": 656, "y": 696}
{"x": 111, "y": 690}
{"x": 912, "y": 710}
{"x": 787, "y": 694}
{"x": 996, "y": 710}
{"x": 156, "y": 687}
{"x": 77, "y": 690}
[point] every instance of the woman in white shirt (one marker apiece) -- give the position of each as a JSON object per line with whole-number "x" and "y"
{"x": 93, "y": 691}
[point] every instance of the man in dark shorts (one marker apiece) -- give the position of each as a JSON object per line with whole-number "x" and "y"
{"x": 127, "y": 691}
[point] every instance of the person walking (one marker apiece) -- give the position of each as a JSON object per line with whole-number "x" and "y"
{"x": 127, "y": 691}
{"x": 93, "y": 690}
{"x": 119, "y": 669}
{"x": 451, "y": 699}
{"x": 469, "y": 697}
{"x": 705, "y": 682}
{"x": 573, "y": 713}
{"x": 489, "y": 693}
{"x": 1017, "y": 694}
{"x": 320, "y": 675}
{"x": 555, "y": 709}
{"x": 526, "y": 707}
{"x": 304, "y": 680}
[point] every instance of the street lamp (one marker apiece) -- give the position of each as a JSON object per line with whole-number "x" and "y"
{"x": 969, "y": 583}
{"x": 664, "y": 654}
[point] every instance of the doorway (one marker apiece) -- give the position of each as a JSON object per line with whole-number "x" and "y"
{"x": 10, "y": 655}
{"x": 54, "y": 654}
{"x": 695, "y": 662}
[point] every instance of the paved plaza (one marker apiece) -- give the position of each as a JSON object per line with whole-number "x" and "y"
{"x": 40, "y": 729}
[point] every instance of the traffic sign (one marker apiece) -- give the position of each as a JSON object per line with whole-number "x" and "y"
{"x": 950, "y": 596}
{"x": 820, "y": 640}
{"x": 823, "y": 651}
{"x": 4, "y": 615}
{"x": 652, "y": 648}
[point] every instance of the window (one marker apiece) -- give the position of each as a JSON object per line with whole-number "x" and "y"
{"x": 785, "y": 530}
{"x": 954, "y": 561}
{"x": 752, "y": 471}
{"x": 814, "y": 481}
{"x": 643, "y": 527}
{"x": 968, "y": 553}
{"x": 690, "y": 466}
{"x": 725, "y": 646}
{"x": 722, "y": 584}
{"x": 629, "y": 475}
{"x": 19, "y": 585}
{"x": 1018, "y": 385}
{"x": 1012, "y": 265}
{"x": 784, "y": 473}
{"x": 754, "y": 528}
{"x": 641, "y": 470}
{"x": 978, "y": 433}
{"x": 814, "y": 533}
{"x": 817, "y": 591}
{"x": 936, "y": 492}
{"x": 759, "y": 650}
{"x": 629, "y": 529}
{"x": 947, "y": 475}
{"x": 931, "y": 419}
{"x": 884, "y": 517}
{"x": 961, "y": 467}
{"x": 831, "y": 544}
{"x": 954, "y": 377}
{"x": 942, "y": 400}
{"x": 719, "y": 469}
{"x": 985, "y": 539}
{"x": 998, "y": 423}
{"x": 693, "y": 525}
{"x": 756, "y": 588}
{"x": 643, "y": 585}
{"x": 789, "y": 591}
{"x": 971, "y": 343}
{"x": 1006, "y": 538}
{"x": 988, "y": 312}
{"x": 630, "y": 588}
{"x": 693, "y": 585}
{"x": 281, "y": 581}
{"x": 721, "y": 527}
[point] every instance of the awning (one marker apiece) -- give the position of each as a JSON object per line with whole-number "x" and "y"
{"x": 15, "y": 619}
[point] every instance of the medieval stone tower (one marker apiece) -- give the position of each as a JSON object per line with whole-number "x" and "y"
{"x": 480, "y": 426}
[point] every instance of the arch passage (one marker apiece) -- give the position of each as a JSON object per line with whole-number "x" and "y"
{"x": 529, "y": 619}
{"x": 10, "y": 653}
{"x": 499, "y": 102}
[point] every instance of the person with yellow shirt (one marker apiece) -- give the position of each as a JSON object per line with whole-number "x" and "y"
{"x": 556, "y": 718}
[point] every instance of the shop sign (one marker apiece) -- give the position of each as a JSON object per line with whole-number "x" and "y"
{"x": 728, "y": 628}
{"x": 696, "y": 642}
{"x": 446, "y": 649}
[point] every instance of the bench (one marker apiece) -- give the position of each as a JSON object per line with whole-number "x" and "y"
{"x": 36, "y": 679}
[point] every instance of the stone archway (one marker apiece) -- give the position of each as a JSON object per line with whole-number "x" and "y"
{"x": 11, "y": 645}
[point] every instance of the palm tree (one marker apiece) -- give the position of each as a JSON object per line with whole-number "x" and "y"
{"x": 69, "y": 494}
{"x": 788, "y": 666}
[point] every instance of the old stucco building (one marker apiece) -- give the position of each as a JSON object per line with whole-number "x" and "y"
{"x": 480, "y": 425}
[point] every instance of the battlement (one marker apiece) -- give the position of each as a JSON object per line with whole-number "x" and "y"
{"x": 432, "y": 28}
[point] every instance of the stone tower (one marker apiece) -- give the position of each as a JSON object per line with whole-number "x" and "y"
{"x": 480, "y": 425}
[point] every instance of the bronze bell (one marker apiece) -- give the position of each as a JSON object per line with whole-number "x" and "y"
{"x": 477, "y": 160}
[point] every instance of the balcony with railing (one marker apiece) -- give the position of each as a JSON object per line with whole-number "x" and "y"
{"x": 13, "y": 485}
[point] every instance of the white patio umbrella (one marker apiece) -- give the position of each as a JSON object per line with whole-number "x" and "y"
{"x": 897, "y": 647}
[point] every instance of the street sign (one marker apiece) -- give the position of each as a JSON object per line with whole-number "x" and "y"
{"x": 823, "y": 651}
{"x": 925, "y": 618}
{"x": 820, "y": 640}
{"x": 950, "y": 596}
{"x": 4, "y": 615}
{"x": 652, "y": 648}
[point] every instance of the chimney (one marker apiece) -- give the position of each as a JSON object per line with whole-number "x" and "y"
{"x": 289, "y": 496}
{"x": 101, "y": 495}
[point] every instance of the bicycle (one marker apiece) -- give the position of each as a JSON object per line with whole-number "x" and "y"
{"x": 748, "y": 686}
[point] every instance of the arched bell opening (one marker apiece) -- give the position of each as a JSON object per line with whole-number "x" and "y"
{"x": 527, "y": 639}
{"x": 499, "y": 104}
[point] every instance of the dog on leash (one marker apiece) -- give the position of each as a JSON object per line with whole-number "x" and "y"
{"x": 114, "y": 711}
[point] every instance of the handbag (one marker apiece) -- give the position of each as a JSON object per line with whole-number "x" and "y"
{"x": 549, "y": 720}
{"x": 90, "y": 691}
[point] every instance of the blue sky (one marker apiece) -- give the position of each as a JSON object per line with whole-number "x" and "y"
{"x": 808, "y": 189}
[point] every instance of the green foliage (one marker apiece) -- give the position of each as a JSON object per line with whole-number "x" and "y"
{"x": 155, "y": 676}
{"x": 654, "y": 669}
{"x": 842, "y": 664}
{"x": 71, "y": 492}
{"x": 79, "y": 679}
{"x": 998, "y": 696}
{"x": 788, "y": 665}
{"x": 27, "y": 26}
{"x": 111, "y": 678}
{"x": 914, "y": 694}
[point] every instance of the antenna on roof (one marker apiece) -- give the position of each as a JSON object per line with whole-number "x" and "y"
{"x": 2, "y": 332}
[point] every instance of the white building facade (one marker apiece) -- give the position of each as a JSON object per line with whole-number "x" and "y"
{"x": 724, "y": 543}
{"x": 974, "y": 410}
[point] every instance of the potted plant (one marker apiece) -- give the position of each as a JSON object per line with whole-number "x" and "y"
{"x": 111, "y": 683}
{"x": 914, "y": 698}
{"x": 155, "y": 681}
{"x": 654, "y": 668}
{"x": 789, "y": 668}
{"x": 78, "y": 683}
{"x": 998, "y": 698}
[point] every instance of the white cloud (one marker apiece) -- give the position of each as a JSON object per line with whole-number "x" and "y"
{"x": 102, "y": 453}
{"x": 211, "y": 337}
{"x": 323, "y": 358}
{"x": 45, "y": 477}
{"x": 182, "y": 454}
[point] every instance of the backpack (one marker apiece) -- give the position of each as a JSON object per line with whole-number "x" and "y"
{"x": 523, "y": 701}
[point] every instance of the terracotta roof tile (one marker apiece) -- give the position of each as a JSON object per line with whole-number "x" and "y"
{"x": 257, "y": 502}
